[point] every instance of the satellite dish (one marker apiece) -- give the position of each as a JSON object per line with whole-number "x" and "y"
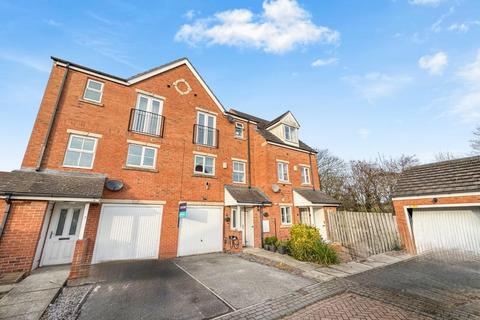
{"x": 114, "y": 185}
{"x": 275, "y": 188}
{"x": 230, "y": 119}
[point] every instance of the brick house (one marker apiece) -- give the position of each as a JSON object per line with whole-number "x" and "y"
{"x": 437, "y": 207}
{"x": 150, "y": 167}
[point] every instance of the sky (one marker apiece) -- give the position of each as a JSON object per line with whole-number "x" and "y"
{"x": 363, "y": 78}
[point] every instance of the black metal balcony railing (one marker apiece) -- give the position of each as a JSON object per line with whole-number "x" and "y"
{"x": 206, "y": 136}
{"x": 145, "y": 122}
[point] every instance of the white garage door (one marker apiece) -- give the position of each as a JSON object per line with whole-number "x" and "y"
{"x": 447, "y": 229}
{"x": 201, "y": 231}
{"x": 128, "y": 232}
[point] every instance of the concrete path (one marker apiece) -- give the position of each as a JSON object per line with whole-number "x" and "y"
{"x": 321, "y": 274}
{"x": 29, "y": 298}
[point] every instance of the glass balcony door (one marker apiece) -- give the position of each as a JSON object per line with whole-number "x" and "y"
{"x": 147, "y": 115}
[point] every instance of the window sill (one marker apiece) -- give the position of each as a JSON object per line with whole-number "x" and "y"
{"x": 235, "y": 182}
{"x": 77, "y": 167}
{"x": 286, "y": 226}
{"x": 306, "y": 184}
{"x": 140, "y": 169}
{"x": 198, "y": 175}
{"x": 284, "y": 182}
{"x": 240, "y": 138}
{"x": 91, "y": 102}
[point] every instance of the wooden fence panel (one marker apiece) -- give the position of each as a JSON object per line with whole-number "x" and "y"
{"x": 364, "y": 233}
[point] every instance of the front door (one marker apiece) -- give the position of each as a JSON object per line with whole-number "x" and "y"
{"x": 62, "y": 234}
{"x": 248, "y": 230}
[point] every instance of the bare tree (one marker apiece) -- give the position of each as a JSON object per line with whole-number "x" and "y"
{"x": 444, "y": 156}
{"x": 475, "y": 142}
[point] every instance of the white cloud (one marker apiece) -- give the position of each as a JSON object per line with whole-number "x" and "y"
{"x": 52, "y": 23}
{"x": 190, "y": 14}
{"x": 324, "y": 62}
{"x": 425, "y": 2}
{"x": 282, "y": 26}
{"x": 27, "y": 61}
{"x": 373, "y": 86}
{"x": 463, "y": 27}
{"x": 471, "y": 72}
{"x": 363, "y": 133}
{"x": 434, "y": 64}
{"x": 467, "y": 103}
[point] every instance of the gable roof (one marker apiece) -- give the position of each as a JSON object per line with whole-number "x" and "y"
{"x": 280, "y": 117}
{"x": 453, "y": 176}
{"x": 251, "y": 195}
{"x": 145, "y": 75}
{"x": 262, "y": 126}
{"x": 316, "y": 196}
{"x": 42, "y": 184}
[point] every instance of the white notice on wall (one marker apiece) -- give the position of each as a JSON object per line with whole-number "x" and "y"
{"x": 266, "y": 225}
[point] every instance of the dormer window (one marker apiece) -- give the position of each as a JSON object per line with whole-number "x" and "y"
{"x": 290, "y": 133}
{"x": 239, "y": 130}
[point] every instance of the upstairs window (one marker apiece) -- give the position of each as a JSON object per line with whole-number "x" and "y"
{"x": 141, "y": 156}
{"x": 305, "y": 174}
{"x": 93, "y": 91}
{"x": 204, "y": 165}
{"x": 238, "y": 130}
{"x": 239, "y": 171}
{"x": 282, "y": 171}
{"x": 290, "y": 133}
{"x": 205, "y": 131}
{"x": 80, "y": 152}
{"x": 147, "y": 115}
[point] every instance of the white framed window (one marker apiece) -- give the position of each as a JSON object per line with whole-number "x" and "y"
{"x": 204, "y": 165}
{"x": 286, "y": 213}
{"x": 141, "y": 156}
{"x": 239, "y": 130}
{"x": 235, "y": 219}
{"x": 282, "y": 171}
{"x": 290, "y": 133}
{"x": 238, "y": 171}
{"x": 305, "y": 174}
{"x": 147, "y": 118}
{"x": 93, "y": 91}
{"x": 206, "y": 133}
{"x": 80, "y": 152}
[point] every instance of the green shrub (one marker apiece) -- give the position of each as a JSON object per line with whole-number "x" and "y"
{"x": 306, "y": 244}
{"x": 270, "y": 241}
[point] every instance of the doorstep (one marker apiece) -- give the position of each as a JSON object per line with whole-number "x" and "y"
{"x": 327, "y": 273}
{"x": 29, "y": 298}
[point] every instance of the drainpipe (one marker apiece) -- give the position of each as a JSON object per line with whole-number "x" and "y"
{"x": 8, "y": 205}
{"x": 311, "y": 171}
{"x": 52, "y": 119}
{"x": 248, "y": 157}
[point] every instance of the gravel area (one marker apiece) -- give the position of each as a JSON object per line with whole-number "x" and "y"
{"x": 66, "y": 304}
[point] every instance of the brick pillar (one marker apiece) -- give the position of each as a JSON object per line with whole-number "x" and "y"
{"x": 81, "y": 260}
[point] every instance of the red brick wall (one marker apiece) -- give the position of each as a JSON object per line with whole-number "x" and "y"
{"x": 402, "y": 221}
{"x": 21, "y": 235}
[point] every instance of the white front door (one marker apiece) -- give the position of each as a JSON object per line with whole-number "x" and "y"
{"x": 201, "y": 231}
{"x": 62, "y": 234}
{"x": 319, "y": 214}
{"x": 248, "y": 233}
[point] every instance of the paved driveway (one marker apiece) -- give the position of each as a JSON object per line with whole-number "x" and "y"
{"x": 422, "y": 288}
{"x": 197, "y": 287}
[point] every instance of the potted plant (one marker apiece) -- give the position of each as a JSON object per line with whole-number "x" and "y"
{"x": 270, "y": 242}
{"x": 282, "y": 246}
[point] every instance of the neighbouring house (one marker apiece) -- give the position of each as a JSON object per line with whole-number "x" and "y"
{"x": 152, "y": 166}
{"x": 438, "y": 206}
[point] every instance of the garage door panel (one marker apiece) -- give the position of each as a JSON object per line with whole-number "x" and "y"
{"x": 201, "y": 231}
{"x": 456, "y": 229}
{"x": 128, "y": 232}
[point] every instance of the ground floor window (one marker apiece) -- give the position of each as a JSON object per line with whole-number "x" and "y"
{"x": 286, "y": 215}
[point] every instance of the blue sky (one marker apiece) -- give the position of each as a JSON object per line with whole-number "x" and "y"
{"x": 362, "y": 77}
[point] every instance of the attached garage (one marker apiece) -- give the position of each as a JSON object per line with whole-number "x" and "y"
{"x": 128, "y": 232}
{"x": 439, "y": 229}
{"x": 201, "y": 231}
{"x": 437, "y": 207}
